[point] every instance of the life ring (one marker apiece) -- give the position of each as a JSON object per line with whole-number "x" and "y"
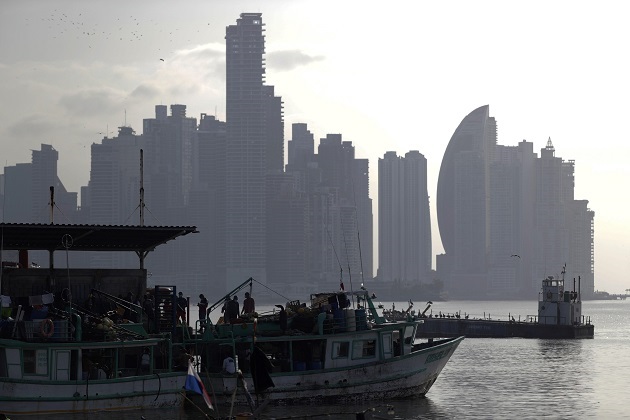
{"x": 549, "y": 295}
{"x": 47, "y": 328}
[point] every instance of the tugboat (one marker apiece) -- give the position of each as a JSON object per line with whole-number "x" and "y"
{"x": 557, "y": 306}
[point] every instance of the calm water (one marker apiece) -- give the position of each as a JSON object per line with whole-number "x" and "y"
{"x": 501, "y": 378}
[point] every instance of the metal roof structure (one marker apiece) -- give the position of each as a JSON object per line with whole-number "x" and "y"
{"x": 141, "y": 239}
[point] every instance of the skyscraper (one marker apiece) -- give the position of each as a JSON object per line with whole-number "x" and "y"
{"x": 462, "y": 200}
{"x": 169, "y": 158}
{"x": 508, "y": 218}
{"x": 404, "y": 225}
{"x": 254, "y": 149}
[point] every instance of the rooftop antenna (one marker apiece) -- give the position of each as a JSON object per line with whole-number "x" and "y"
{"x": 141, "y": 187}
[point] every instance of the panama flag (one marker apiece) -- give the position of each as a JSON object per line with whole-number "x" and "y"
{"x": 193, "y": 383}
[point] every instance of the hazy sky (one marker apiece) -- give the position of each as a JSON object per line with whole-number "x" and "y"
{"x": 396, "y": 75}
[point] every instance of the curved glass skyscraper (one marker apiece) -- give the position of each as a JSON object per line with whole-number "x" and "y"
{"x": 462, "y": 198}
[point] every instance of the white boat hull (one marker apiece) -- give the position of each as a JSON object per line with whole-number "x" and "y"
{"x": 399, "y": 377}
{"x": 30, "y": 397}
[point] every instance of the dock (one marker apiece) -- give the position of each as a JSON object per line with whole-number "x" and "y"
{"x": 481, "y": 328}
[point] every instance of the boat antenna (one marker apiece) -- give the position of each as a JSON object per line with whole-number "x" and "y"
{"x": 142, "y": 205}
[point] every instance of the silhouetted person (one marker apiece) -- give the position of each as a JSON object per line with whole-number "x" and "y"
{"x": 283, "y": 318}
{"x": 231, "y": 310}
{"x": 203, "y": 307}
{"x": 249, "y": 306}
{"x": 149, "y": 308}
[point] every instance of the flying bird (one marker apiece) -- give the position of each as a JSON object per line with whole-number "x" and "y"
{"x": 514, "y": 255}
{"x": 161, "y": 59}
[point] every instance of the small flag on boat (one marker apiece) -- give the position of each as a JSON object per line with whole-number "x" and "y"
{"x": 341, "y": 287}
{"x": 193, "y": 383}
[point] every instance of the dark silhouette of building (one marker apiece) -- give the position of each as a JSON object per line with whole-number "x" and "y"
{"x": 254, "y": 149}
{"x": 404, "y": 246}
{"x": 336, "y": 185}
{"x": 495, "y": 202}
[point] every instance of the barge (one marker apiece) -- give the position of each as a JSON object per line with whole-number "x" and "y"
{"x": 559, "y": 317}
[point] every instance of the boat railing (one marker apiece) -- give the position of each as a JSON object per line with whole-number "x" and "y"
{"x": 301, "y": 322}
{"x": 48, "y": 330}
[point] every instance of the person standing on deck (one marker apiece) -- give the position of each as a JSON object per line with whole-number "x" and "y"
{"x": 203, "y": 311}
{"x": 203, "y": 307}
{"x": 249, "y": 306}
{"x": 181, "y": 308}
{"x": 231, "y": 310}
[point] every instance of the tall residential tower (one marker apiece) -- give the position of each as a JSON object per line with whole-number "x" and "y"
{"x": 404, "y": 225}
{"x": 254, "y": 149}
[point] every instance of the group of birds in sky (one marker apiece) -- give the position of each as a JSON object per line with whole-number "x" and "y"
{"x": 128, "y": 28}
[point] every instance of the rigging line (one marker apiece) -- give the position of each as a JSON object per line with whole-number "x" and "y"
{"x": 348, "y": 261}
{"x": 270, "y": 289}
{"x": 61, "y": 211}
{"x": 147, "y": 209}
{"x": 132, "y": 213}
{"x": 356, "y": 215}
{"x": 336, "y": 256}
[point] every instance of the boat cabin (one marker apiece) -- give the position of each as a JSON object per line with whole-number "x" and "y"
{"x": 323, "y": 336}
{"x": 557, "y": 306}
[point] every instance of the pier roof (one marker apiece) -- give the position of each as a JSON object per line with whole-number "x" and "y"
{"x": 31, "y": 236}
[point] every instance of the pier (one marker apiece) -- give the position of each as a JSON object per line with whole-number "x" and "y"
{"x": 481, "y": 328}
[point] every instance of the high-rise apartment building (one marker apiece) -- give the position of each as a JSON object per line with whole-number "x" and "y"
{"x": 206, "y": 207}
{"x": 254, "y": 149}
{"x": 343, "y": 199}
{"x": 507, "y": 218}
{"x": 339, "y": 228}
{"x": 169, "y": 159}
{"x": 404, "y": 225}
{"x": 112, "y": 196}
{"x": 27, "y": 195}
{"x": 462, "y": 201}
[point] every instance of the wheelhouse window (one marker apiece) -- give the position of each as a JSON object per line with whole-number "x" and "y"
{"x": 363, "y": 349}
{"x": 35, "y": 362}
{"x": 340, "y": 349}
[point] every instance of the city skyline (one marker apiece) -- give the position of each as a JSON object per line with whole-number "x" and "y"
{"x": 549, "y": 93}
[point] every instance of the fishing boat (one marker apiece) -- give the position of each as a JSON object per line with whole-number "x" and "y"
{"x": 329, "y": 350}
{"x": 69, "y": 343}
